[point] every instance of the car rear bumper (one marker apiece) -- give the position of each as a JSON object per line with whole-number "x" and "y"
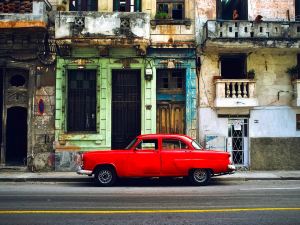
{"x": 231, "y": 168}
{"x": 84, "y": 172}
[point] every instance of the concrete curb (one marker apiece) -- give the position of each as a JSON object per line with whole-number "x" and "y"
{"x": 90, "y": 179}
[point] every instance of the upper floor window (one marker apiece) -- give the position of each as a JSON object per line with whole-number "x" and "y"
{"x": 233, "y": 66}
{"x": 83, "y": 5}
{"x": 81, "y": 111}
{"x": 298, "y": 122}
{"x": 167, "y": 9}
{"x": 170, "y": 80}
{"x": 232, "y": 10}
{"x": 127, "y": 5}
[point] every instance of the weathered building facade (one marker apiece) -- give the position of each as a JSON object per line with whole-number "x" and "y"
{"x": 102, "y": 93}
{"x": 136, "y": 71}
{"x": 79, "y": 75}
{"x": 172, "y": 49}
{"x": 26, "y": 85}
{"x": 248, "y": 103}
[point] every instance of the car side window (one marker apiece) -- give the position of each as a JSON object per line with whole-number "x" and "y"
{"x": 149, "y": 144}
{"x": 170, "y": 144}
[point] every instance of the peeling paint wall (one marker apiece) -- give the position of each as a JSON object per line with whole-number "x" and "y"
{"x": 275, "y": 115}
{"x": 204, "y": 10}
{"x": 172, "y": 32}
{"x": 271, "y": 81}
{"x": 38, "y": 14}
{"x": 273, "y": 84}
{"x": 99, "y": 24}
{"x": 271, "y": 9}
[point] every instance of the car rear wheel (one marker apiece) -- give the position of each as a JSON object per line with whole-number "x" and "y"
{"x": 199, "y": 176}
{"x": 105, "y": 176}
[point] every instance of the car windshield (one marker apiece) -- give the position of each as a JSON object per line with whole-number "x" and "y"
{"x": 131, "y": 144}
{"x": 196, "y": 145}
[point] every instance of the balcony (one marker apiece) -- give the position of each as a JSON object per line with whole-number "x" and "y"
{"x": 296, "y": 93}
{"x": 235, "y": 93}
{"x": 170, "y": 33}
{"x": 266, "y": 34}
{"x": 23, "y": 14}
{"x": 102, "y": 29}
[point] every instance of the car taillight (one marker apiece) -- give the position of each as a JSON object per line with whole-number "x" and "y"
{"x": 79, "y": 159}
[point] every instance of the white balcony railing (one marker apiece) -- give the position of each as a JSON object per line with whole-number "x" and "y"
{"x": 235, "y": 93}
{"x": 102, "y": 25}
{"x": 252, "y": 30}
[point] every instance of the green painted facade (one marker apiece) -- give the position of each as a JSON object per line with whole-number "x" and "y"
{"x": 104, "y": 66}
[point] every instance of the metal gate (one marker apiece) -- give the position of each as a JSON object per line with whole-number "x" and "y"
{"x": 237, "y": 141}
{"x": 126, "y": 107}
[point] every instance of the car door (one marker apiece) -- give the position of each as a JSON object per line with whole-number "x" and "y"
{"x": 145, "y": 159}
{"x": 175, "y": 157}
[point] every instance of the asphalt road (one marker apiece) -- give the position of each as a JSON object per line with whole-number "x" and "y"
{"x": 151, "y": 202}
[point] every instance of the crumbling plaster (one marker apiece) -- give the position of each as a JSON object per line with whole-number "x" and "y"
{"x": 271, "y": 9}
{"x": 270, "y": 76}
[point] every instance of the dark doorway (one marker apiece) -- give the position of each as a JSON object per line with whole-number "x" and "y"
{"x": 1, "y": 105}
{"x": 225, "y": 9}
{"x": 126, "y": 107}
{"x": 233, "y": 66}
{"x": 16, "y": 136}
{"x": 298, "y": 65}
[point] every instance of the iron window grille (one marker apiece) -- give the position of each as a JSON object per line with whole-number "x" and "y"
{"x": 81, "y": 106}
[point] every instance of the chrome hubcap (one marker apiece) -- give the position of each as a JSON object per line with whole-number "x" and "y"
{"x": 200, "y": 175}
{"x": 104, "y": 176}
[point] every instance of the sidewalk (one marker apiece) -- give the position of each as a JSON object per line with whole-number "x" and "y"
{"x": 73, "y": 177}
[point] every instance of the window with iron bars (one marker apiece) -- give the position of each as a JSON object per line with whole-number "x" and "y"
{"x": 81, "y": 106}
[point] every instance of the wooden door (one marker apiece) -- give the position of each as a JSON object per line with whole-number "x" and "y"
{"x": 170, "y": 118}
{"x": 126, "y": 107}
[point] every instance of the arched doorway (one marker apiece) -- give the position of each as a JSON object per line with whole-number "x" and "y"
{"x": 16, "y": 136}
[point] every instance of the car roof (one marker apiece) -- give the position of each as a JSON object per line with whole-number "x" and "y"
{"x": 165, "y": 136}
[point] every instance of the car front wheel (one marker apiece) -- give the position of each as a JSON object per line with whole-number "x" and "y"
{"x": 199, "y": 176}
{"x": 105, "y": 176}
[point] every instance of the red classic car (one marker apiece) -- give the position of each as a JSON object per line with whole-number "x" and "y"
{"x": 156, "y": 155}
